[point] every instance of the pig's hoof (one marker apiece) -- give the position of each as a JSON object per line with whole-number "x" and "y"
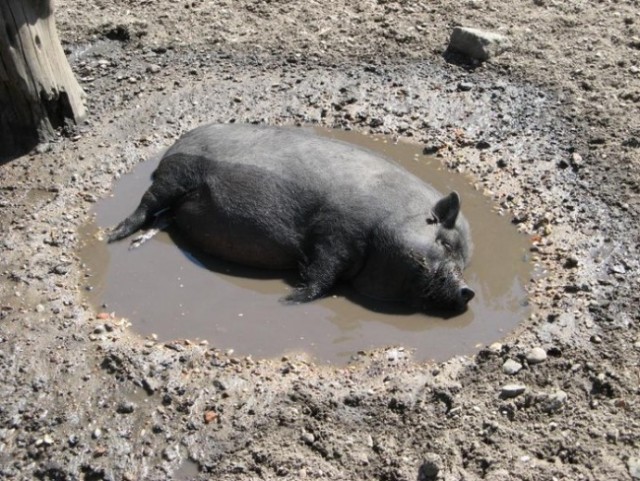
{"x": 141, "y": 239}
{"x": 301, "y": 295}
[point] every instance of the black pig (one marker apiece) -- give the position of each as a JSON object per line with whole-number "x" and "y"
{"x": 283, "y": 198}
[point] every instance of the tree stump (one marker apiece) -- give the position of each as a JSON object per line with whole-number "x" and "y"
{"x": 38, "y": 91}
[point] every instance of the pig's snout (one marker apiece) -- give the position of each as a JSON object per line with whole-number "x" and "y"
{"x": 466, "y": 294}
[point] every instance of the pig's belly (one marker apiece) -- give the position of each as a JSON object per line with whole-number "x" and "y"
{"x": 237, "y": 238}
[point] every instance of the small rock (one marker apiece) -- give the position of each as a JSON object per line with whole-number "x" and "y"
{"x": 99, "y": 451}
{"x": 432, "y": 148}
{"x": 210, "y": 416}
{"x": 570, "y": 262}
{"x": 47, "y": 440}
{"x": 536, "y": 355}
{"x": 465, "y": 86}
{"x": 555, "y": 401}
{"x": 169, "y": 454}
{"x": 495, "y": 347}
{"x": 511, "y": 367}
{"x": 307, "y": 437}
{"x": 618, "y": 269}
{"x": 509, "y": 391}
{"x": 125, "y": 407}
{"x": 154, "y": 68}
{"x": 634, "y": 467}
{"x": 477, "y": 44}
{"x": 150, "y": 384}
{"x": 576, "y": 160}
{"x": 174, "y": 346}
{"x": 61, "y": 269}
{"x": 430, "y": 468}
{"x": 43, "y": 148}
{"x": 97, "y": 433}
{"x": 395, "y": 354}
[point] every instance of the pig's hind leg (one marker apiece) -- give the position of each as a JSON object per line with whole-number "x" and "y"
{"x": 162, "y": 221}
{"x": 149, "y": 206}
{"x": 175, "y": 177}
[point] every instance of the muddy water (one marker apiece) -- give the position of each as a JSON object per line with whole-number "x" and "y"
{"x": 167, "y": 289}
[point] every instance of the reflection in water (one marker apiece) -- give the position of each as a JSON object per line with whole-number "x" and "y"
{"x": 177, "y": 292}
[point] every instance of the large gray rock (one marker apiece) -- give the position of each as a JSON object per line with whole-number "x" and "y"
{"x": 478, "y": 44}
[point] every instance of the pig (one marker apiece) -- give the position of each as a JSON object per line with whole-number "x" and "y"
{"x": 286, "y": 198}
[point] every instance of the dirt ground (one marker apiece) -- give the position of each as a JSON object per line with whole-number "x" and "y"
{"x": 550, "y": 130}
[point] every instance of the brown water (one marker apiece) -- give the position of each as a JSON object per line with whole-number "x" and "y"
{"x": 165, "y": 289}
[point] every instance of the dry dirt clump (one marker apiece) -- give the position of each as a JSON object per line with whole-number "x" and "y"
{"x": 550, "y": 130}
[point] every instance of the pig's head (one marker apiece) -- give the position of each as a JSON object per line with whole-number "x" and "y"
{"x": 420, "y": 260}
{"x": 439, "y": 258}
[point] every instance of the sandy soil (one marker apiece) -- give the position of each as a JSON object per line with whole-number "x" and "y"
{"x": 550, "y": 130}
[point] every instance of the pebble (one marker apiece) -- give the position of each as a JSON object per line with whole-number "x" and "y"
{"x": 125, "y": 407}
{"x": 97, "y": 433}
{"x": 555, "y": 401}
{"x": 536, "y": 355}
{"x": 509, "y": 391}
{"x": 634, "y": 467}
{"x": 210, "y": 416}
{"x": 169, "y": 454}
{"x": 154, "y": 68}
{"x": 571, "y": 262}
{"x": 432, "y": 148}
{"x": 431, "y": 467}
{"x": 511, "y": 367}
{"x": 308, "y": 437}
{"x": 495, "y": 347}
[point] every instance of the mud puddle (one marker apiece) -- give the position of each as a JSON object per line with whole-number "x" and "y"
{"x": 166, "y": 289}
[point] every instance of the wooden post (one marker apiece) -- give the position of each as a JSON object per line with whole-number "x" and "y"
{"x": 38, "y": 92}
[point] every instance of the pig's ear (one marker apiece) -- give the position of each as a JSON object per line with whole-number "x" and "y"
{"x": 447, "y": 209}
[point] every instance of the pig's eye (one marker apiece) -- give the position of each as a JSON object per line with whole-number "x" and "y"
{"x": 445, "y": 245}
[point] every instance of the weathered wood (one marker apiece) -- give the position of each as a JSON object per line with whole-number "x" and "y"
{"x": 38, "y": 91}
